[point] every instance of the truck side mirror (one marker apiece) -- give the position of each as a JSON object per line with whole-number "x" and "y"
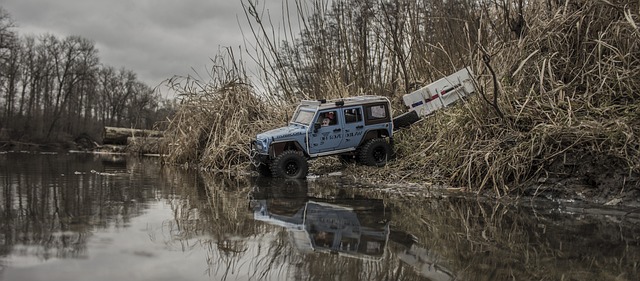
{"x": 316, "y": 127}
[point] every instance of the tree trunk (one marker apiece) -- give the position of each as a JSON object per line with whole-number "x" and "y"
{"x": 118, "y": 136}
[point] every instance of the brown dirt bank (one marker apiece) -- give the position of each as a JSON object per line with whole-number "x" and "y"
{"x": 600, "y": 180}
{"x": 577, "y": 178}
{"x": 80, "y": 142}
{"x": 31, "y": 146}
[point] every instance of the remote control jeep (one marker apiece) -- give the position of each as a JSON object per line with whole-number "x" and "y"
{"x": 358, "y": 128}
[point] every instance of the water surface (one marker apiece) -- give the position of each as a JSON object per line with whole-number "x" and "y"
{"x": 103, "y": 217}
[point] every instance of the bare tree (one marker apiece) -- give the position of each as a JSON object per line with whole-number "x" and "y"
{"x": 379, "y": 47}
{"x": 8, "y": 63}
{"x": 7, "y": 34}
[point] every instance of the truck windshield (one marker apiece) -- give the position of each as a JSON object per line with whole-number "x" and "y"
{"x": 303, "y": 117}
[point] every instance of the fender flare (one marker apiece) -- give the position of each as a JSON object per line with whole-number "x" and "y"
{"x": 277, "y": 148}
{"x": 374, "y": 134}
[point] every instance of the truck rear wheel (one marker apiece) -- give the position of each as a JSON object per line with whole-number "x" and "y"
{"x": 290, "y": 164}
{"x": 374, "y": 152}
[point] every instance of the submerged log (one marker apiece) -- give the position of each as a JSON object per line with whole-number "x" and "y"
{"x": 118, "y": 136}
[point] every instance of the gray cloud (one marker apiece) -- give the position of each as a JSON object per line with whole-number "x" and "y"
{"x": 156, "y": 39}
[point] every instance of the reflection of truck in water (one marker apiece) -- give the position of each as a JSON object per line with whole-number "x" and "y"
{"x": 350, "y": 227}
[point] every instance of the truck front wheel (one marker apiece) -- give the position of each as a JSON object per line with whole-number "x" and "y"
{"x": 290, "y": 164}
{"x": 374, "y": 152}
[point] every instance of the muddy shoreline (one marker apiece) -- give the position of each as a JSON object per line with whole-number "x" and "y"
{"x": 580, "y": 181}
{"x": 583, "y": 186}
{"x": 557, "y": 197}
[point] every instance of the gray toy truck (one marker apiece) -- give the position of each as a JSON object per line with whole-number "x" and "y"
{"x": 359, "y": 128}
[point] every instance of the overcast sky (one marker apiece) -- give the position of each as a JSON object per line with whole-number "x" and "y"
{"x": 156, "y": 39}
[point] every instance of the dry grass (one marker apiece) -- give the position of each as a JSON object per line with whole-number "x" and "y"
{"x": 567, "y": 89}
{"x": 570, "y": 87}
{"x": 217, "y": 119}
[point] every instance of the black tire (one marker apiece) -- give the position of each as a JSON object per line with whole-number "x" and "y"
{"x": 290, "y": 164}
{"x": 405, "y": 119}
{"x": 374, "y": 152}
{"x": 264, "y": 170}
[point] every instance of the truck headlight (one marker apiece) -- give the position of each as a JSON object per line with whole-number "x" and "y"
{"x": 261, "y": 145}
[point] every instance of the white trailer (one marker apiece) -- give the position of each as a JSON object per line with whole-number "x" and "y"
{"x": 441, "y": 93}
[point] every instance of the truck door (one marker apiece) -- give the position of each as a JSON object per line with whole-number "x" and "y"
{"x": 353, "y": 126}
{"x": 329, "y": 135}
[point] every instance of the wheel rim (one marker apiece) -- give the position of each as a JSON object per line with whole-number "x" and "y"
{"x": 379, "y": 154}
{"x": 291, "y": 168}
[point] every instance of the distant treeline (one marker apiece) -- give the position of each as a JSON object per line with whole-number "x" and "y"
{"x": 54, "y": 89}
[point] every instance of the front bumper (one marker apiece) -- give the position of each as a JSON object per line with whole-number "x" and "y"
{"x": 256, "y": 156}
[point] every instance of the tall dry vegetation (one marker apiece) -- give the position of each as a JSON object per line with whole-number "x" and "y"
{"x": 216, "y": 118}
{"x": 569, "y": 98}
{"x": 558, "y": 84}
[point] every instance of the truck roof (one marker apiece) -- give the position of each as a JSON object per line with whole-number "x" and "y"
{"x": 349, "y": 101}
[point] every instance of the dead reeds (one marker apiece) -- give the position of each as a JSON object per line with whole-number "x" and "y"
{"x": 575, "y": 90}
{"x": 217, "y": 118}
{"x": 560, "y": 91}
{"x": 568, "y": 90}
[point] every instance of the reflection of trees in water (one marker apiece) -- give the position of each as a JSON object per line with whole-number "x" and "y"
{"x": 484, "y": 242}
{"x": 230, "y": 227}
{"x": 211, "y": 213}
{"x": 51, "y": 204}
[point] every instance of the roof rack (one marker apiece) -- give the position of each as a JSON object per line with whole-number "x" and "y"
{"x": 343, "y": 101}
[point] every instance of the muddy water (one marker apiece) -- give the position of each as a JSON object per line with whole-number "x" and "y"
{"x": 88, "y": 217}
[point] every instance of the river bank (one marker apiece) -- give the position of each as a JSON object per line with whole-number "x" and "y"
{"x": 573, "y": 181}
{"x": 568, "y": 184}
